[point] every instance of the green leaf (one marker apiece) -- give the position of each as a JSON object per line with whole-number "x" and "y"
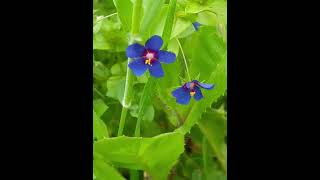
{"x": 99, "y": 107}
{"x": 109, "y": 35}
{"x": 115, "y": 86}
{"x": 152, "y": 10}
{"x": 100, "y": 130}
{"x": 209, "y": 58}
{"x": 213, "y": 125}
{"x": 156, "y": 155}
{"x": 104, "y": 171}
{"x": 180, "y": 26}
{"x": 124, "y": 9}
{"x": 145, "y": 101}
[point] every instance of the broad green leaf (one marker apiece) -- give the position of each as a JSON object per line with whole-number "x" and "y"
{"x": 152, "y": 11}
{"x": 100, "y": 130}
{"x": 109, "y": 36}
{"x": 213, "y": 125}
{"x": 115, "y": 86}
{"x": 209, "y": 58}
{"x": 103, "y": 171}
{"x": 100, "y": 72}
{"x": 157, "y": 28}
{"x": 195, "y": 7}
{"x": 99, "y": 106}
{"x": 156, "y": 155}
{"x": 180, "y": 26}
{"x": 124, "y": 10}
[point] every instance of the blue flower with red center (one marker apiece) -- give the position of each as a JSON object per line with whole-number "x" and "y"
{"x": 149, "y": 57}
{"x": 196, "y": 25}
{"x": 184, "y": 93}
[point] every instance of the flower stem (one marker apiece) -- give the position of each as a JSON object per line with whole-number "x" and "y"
{"x": 184, "y": 59}
{"x": 166, "y": 34}
{"x": 205, "y": 155}
{"x": 128, "y": 90}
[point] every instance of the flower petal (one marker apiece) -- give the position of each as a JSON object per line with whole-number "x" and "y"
{"x": 166, "y": 56}
{"x": 156, "y": 69}
{"x": 206, "y": 86}
{"x": 154, "y": 43}
{"x": 135, "y": 50}
{"x": 198, "y": 95}
{"x": 182, "y": 95}
{"x": 138, "y": 66}
{"x": 196, "y": 25}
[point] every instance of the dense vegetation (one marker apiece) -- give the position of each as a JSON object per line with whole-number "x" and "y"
{"x": 140, "y": 131}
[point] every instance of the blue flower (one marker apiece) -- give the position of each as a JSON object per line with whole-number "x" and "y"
{"x": 184, "y": 93}
{"x": 149, "y": 57}
{"x": 196, "y": 25}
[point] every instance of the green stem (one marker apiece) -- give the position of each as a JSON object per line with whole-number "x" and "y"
{"x": 205, "y": 155}
{"x": 128, "y": 90}
{"x": 122, "y": 120}
{"x": 105, "y": 17}
{"x": 169, "y": 22}
{"x": 184, "y": 59}
{"x": 142, "y": 104}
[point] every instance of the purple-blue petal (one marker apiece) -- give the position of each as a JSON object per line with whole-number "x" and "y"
{"x": 156, "y": 69}
{"x": 154, "y": 43}
{"x": 206, "y": 86}
{"x": 198, "y": 95}
{"x": 166, "y": 57}
{"x": 196, "y": 25}
{"x": 182, "y": 95}
{"x": 135, "y": 50}
{"x": 138, "y": 66}
{"x": 188, "y": 85}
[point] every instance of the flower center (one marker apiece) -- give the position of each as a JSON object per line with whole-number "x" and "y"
{"x": 149, "y": 55}
{"x": 148, "y": 61}
{"x": 192, "y": 85}
{"x": 192, "y": 93}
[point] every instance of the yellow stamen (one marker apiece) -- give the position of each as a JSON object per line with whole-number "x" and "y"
{"x": 192, "y": 93}
{"x": 148, "y": 61}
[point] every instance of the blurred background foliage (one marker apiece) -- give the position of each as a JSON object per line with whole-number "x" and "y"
{"x": 200, "y": 152}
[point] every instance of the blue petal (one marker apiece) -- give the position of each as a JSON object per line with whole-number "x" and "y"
{"x": 154, "y": 43}
{"x": 138, "y": 66}
{"x": 166, "y": 57}
{"x": 182, "y": 95}
{"x": 198, "y": 95}
{"x": 188, "y": 85}
{"x": 156, "y": 69}
{"x": 196, "y": 25}
{"x": 135, "y": 50}
{"x": 206, "y": 86}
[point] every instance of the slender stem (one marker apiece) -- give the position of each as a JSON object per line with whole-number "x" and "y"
{"x": 128, "y": 90}
{"x": 166, "y": 34}
{"x": 184, "y": 58}
{"x": 122, "y": 120}
{"x": 105, "y": 17}
{"x": 205, "y": 155}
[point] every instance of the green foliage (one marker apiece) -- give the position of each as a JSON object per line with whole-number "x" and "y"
{"x": 156, "y": 155}
{"x": 175, "y": 141}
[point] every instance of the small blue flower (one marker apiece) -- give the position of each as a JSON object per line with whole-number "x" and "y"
{"x": 196, "y": 25}
{"x": 184, "y": 93}
{"x": 149, "y": 57}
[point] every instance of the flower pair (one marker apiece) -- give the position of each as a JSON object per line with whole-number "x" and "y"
{"x": 150, "y": 56}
